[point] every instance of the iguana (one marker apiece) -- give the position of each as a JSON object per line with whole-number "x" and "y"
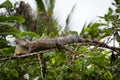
{"x": 26, "y": 46}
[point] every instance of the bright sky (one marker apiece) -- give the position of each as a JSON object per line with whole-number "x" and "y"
{"x": 85, "y": 11}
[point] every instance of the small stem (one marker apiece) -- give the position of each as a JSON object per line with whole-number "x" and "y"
{"x": 40, "y": 58}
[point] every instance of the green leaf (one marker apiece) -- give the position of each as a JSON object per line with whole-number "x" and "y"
{"x": 32, "y": 34}
{"x": 6, "y": 69}
{"x": 50, "y": 54}
{"x": 8, "y": 51}
{"x": 118, "y": 10}
{"x": 14, "y": 73}
{"x": 7, "y": 24}
{"x": 3, "y": 43}
{"x": 108, "y": 76}
{"x": 108, "y": 15}
{"x": 52, "y": 60}
{"x": 40, "y": 5}
{"x": 92, "y": 31}
{"x": 12, "y": 18}
{"x": 110, "y": 11}
{"x": 118, "y": 38}
{"x": 11, "y": 31}
{"x": 67, "y": 27}
{"x": 6, "y": 4}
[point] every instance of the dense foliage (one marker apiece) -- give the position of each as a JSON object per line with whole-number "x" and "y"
{"x": 92, "y": 63}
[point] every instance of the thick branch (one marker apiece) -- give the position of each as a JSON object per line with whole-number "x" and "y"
{"x": 43, "y": 45}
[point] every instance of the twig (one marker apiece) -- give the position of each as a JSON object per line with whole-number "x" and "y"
{"x": 40, "y": 58}
{"x": 24, "y": 55}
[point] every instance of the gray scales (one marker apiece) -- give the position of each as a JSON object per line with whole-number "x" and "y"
{"x": 25, "y": 46}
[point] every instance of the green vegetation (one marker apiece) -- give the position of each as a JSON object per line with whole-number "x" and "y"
{"x": 92, "y": 63}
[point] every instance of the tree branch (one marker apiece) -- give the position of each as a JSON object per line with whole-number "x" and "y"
{"x": 24, "y": 55}
{"x": 48, "y": 44}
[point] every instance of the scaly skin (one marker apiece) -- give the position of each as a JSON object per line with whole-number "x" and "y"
{"x": 50, "y": 43}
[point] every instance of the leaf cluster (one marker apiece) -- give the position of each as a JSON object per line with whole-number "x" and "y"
{"x": 90, "y": 63}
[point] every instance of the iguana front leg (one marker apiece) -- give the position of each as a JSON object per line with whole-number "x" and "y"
{"x": 61, "y": 47}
